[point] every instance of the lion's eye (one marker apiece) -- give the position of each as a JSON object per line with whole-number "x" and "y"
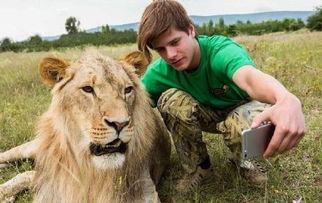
{"x": 128, "y": 89}
{"x": 88, "y": 89}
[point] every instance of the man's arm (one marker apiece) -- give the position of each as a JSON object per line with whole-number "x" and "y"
{"x": 286, "y": 112}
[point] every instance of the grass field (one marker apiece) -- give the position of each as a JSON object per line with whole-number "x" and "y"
{"x": 294, "y": 59}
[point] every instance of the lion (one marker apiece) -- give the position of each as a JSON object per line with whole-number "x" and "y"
{"x": 99, "y": 141}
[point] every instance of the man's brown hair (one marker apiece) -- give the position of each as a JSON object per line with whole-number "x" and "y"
{"x": 157, "y": 18}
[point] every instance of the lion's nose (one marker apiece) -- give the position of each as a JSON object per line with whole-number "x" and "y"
{"x": 118, "y": 126}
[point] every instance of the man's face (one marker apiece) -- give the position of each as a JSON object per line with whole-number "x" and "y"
{"x": 178, "y": 49}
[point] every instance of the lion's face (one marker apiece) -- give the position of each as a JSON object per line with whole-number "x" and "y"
{"x": 98, "y": 94}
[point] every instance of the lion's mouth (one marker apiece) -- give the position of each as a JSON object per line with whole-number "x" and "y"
{"x": 112, "y": 147}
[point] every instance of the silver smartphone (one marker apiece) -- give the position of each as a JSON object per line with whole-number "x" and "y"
{"x": 255, "y": 141}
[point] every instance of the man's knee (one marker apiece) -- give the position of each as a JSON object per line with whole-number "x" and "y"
{"x": 245, "y": 114}
{"x": 238, "y": 120}
{"x": 178, "y": 105}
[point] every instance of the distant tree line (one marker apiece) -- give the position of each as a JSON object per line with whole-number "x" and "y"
{"x": 314, "y": 22}
{"x": 248, "y": 28}
{"x": 107, "y": 36}
{"x": 74, "y": 37}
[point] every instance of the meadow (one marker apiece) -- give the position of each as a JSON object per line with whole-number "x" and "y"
{"x": 295, "y": 59}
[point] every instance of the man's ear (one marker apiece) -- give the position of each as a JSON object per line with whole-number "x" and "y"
{"x": 192, "y": 31}
{"x": 138, "y": 60}
{"x": 52, "y": 70}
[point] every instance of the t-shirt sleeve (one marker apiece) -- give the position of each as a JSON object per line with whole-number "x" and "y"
{"x": 228, "y": 59}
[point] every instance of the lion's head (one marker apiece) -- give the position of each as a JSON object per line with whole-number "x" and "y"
{"x": 99, "y": 97}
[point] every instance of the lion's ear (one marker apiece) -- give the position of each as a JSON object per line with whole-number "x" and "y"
{"x": 138, "y": 60}
{"x": 52, "y": 70}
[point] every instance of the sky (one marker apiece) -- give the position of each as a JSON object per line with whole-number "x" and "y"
{"x": 20, "y": 19}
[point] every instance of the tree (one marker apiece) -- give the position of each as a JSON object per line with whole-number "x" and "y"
{"x": 220, "y": 27}
{"x": 300, "y": 22}
{"x": 72, "y": 25}
{"x": 295, "y": 25}
{"x": 6, "y": 45}
{"x": 36, "y": 39}
{"x": 221, "y": 23}
{"x": 232, "y": 30}
{"x": 210, "y": 24}
{"x": 203, "y": 29}
{"x": 105, "y": 29}
{"x": 314, "y": 22}
{"x": 239, "y": 22}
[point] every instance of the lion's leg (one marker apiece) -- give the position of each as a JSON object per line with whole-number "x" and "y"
{"x": 150, "y": 194}
{"x": 26, "y": 150}
{"x": 20, "y": 182}
{"x": 155, "y": 195}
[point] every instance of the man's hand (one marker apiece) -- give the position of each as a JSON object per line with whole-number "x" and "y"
{"x": 289, "y": 123}
{"x": 286, "y": 112}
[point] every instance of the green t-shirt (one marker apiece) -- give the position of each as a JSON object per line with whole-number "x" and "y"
{"x": 211, "y": 84}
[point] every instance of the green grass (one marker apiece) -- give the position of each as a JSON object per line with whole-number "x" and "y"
{"x": 294, "y": 59}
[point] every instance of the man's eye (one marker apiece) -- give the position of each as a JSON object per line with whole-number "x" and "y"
{"x": 175, "y": 43}
{"x": 128, "y": 89}
{"x": 88, "y": 89}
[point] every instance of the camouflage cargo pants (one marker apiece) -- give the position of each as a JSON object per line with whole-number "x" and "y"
{"x": 186, "y": 118}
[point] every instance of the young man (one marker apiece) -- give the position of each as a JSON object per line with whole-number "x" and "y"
{"x": 211, "y": 84}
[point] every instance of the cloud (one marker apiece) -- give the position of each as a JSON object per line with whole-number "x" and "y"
{"x": 62, "y": 10}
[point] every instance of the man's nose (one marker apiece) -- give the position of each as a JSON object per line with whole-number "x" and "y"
{"x": 171, "y": 52}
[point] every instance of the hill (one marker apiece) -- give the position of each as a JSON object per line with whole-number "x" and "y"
{"x": 228, "y": 18}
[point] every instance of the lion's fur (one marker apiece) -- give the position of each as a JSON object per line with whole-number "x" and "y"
{"x": 64, "y": 169}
